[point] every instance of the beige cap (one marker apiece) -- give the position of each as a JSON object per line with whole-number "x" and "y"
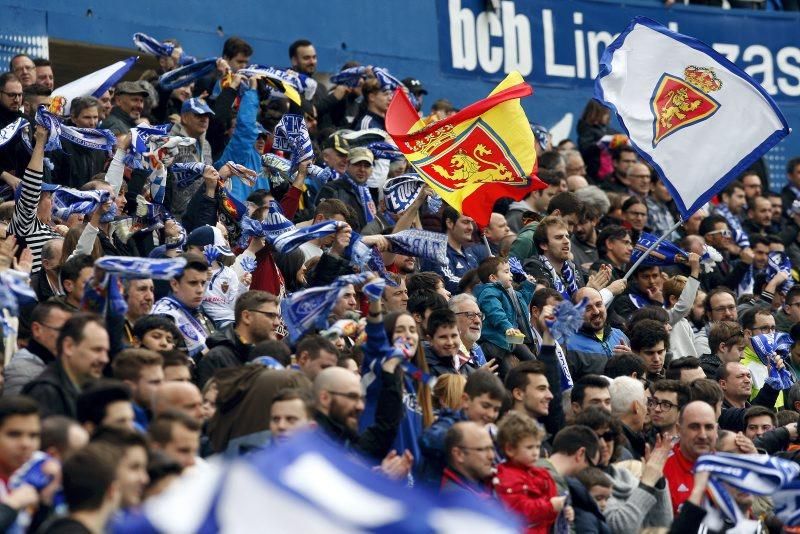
{"x": 360, "y": 154}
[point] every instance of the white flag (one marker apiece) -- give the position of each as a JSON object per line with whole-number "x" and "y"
{"x": 94, "y": 84}
{"x": 697, "y": 118}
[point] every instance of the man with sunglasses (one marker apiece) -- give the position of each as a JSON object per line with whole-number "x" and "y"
{"x": 715, "y": 229}
{"x": 255, "y": 318}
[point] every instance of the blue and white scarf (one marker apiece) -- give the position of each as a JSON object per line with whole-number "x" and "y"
{"x": 383, "y": 150}
{"x": 365, "y": 198}
{"x": 187, "y": 173}
{"x": 93, "y": 138}
{"x": 67, "y": 201}
{"x": 759, "y": 474}
{"x": 131, "y": 267}
{"x": 766, "y": 347}
{"x": 15, "y": 289}
{"x": 302, "y": 83}
{"x": 289, "y": 241}
{"x": 152, "y": 46}
{"x": 11, "y": 130}
{"x": 566, "y": 286}
{"x": 183, "y": 76}
{"x": 309, "y": 308}
{"x": 291, "y": 134}
{"x": 375, "y": 264}
{"x": 400, "y": 192}
{"x": 193, "y": 332}
{"x": 420, "y": 244}
{"x": 390, "y": 83}
{"x": 787, "y": 503}
{"x": 739, "y": 235}
{"x": 780, "y": 262}
{"x": 104, "y": 298}
{"x": 140, "y": 144}
{"x": 350, "y": 77}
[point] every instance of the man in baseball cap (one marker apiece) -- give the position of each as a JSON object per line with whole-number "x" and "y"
{"x": 416, "y": 88}
{"x": 352, "y": 187}
{"x": 335, "y": 149}
{"x": 128, "y": 105}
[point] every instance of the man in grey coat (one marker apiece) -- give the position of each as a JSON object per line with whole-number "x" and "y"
{"x": 27, "y": 363}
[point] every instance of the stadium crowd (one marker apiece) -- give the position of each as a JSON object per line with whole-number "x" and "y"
{"x": 593, "y": 430}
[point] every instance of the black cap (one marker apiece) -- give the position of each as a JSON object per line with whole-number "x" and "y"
{"x": 338, "y": 143}
{"x": 415, "y": 86}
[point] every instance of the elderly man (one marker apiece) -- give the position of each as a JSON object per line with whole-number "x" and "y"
{"x": 352, "y": 187}
{"x": 469, "y": 319}
{"x": 590, "y": 348}
{"x": 629, "y": 405}
{"x": 697, "y": 430}
{"x": 340, "y": 402}
{"x": 470, "y": 460}
{"x": 128, "y": 106}
{"x": 24, "y": 68}
{"x": 139, "y": 296}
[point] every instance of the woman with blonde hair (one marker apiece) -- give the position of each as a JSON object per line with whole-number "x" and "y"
{"x": 448, "y": 391}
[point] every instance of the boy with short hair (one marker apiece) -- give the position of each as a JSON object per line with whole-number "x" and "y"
{"x": 444, "y": 340}
{"x": 528, "y": 490}
{"x": 156, "y": 332}
{"x": 291, "y": 410}
{"x": 507, "y": 313}
{"x": 590, "y": 494}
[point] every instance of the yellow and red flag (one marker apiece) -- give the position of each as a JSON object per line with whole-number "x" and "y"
{"x": 482, "y": 153}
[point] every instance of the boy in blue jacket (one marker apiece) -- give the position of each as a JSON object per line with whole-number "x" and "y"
{"x": 507, "y": 315}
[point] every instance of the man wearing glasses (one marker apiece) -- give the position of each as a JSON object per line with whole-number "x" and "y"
{"x": 24, "y": 68}
{"x": 717, "y": 233}
{"x": 789, "y": 314}
{"x": 755, "y": 322}
{"x": 469, "y": 319}
{"x": 27, "y": 363}
{"x": 255, "y": 318}
{"x": 667, "y": 398}
{"x": 470, "y": 460}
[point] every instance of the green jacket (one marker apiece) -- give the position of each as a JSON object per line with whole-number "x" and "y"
{"x": 523, "y": 246}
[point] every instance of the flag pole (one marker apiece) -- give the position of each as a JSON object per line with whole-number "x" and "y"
{"x": 486, "y": 242}
{"x": 651, "y": 249}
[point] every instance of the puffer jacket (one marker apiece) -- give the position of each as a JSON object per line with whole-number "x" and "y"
{"x": 495, "y": 302}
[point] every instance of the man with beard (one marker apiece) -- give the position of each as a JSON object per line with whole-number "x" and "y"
{"x": 584, "y": 240}
{"x": 646, "y": 290}
{"x": 469, "y": 319}
{"x": 590, "y": 348}
{"x": 615, "y": 245}
{"x": 697, "y": 429}
{"x": 340, "y": 402}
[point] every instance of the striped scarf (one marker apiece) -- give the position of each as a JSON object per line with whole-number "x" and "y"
{"x": 739, "y": 235}
{"x": 565, "y": 282}
{"x": 365, "y": 198}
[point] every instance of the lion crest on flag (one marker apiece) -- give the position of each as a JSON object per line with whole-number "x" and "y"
{"x": 678, "y": 103}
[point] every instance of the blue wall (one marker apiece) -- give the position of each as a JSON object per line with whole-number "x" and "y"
{"x": 413, "y": 38}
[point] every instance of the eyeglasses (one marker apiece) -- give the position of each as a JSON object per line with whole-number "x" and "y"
{"x": 488, "y": 448}
{"x": 473, "y": 315}
{"x": 663, "y": 404}
{"x": 13, "y": 96}
{"x": 724, "y": 232}
{"x": 769, "y": 328}
{"x": 608, "y": 436}
{"x": 355, "y": 397}
{"x": 271, "y": 315}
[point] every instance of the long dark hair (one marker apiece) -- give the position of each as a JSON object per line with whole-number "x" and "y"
{"x": 424, "y": 396}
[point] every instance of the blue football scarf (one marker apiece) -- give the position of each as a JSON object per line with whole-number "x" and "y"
{"x": 390, "y": 83}
{"x": 766, "y": 347}
{"x": 759, "y": 474}
{"x": 93, "y": 138}
{"x": 229, "y": 205}
{"x": 110, "y": 214}
{"x": 67, "y": 201}
{"x": 787, "y": 503}
{"x": 302, "y": 83}
{"x": 309, "y": 308}
{"x": 14, "y": 290}
{"x": 375, "y": 264}
{"x": 666, "y": 253}
{"x": 400, "y": 192}
{"x": 292, "y": 239}
{"x": 350, "y": 77}
{"x": 291, "y": 135}
{"x": 780, "y": 262}
{"x": 104, "y": 298}
{"x": 364, "y": 198}
{"x": 747, "y": 283}
{"x": 383, "y": 150}
{"x": 131, "y": 267}
{"x": 187, "y": 173}
{"x": 140, "y": 144}
{"x": 10, "y": 131}
{"x": 566, "y": 286}
{"x": 420, "y": 244}
{"x": 183, "y": 76}
{"x": 275, "y": 223}
{"x": 739, "y": 235}
{"x": 358, "y": 252}
{"x": 154, "y": 47}
{"x": 248, "y": 264}
{"x": 280, "y": 170}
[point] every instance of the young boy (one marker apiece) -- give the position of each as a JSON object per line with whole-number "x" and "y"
{"x": 590, "y": 491}
{"x": 597, "y": 484}
{"x": 156, "y": 332}
{"x": 444, "y": 340}
{"x": 506, "y": 312}
{"x": 523, "y": 487}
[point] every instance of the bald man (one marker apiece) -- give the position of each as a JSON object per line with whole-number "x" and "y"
{"x": 590, "y": 348}
{"x": 470, "y": 459}
{"x": 181, "y": 396}
{"x": 340, "y": 402}
{"x": 576, "y": 182}
{"x": 697, "y": 430}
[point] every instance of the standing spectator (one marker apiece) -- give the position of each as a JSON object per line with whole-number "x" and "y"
{"x": 352, "y": 187}
{"x": 128, "y": 106}
{"x": 76, "y": 164}
{"x": 44, "y": 73}
{"x": 23, "y": 68}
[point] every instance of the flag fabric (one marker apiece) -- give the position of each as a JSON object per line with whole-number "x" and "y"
{"x": 666, "y": 253}
{"x": 312, "y": 485}
{"x": 694, "y": 116}
{"x": 480, "y": 154}
{"x": 94, "y": 84}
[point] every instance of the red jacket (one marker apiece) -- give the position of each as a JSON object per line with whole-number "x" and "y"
{"x": 680, "y": 478}
{"x": 527, "y": 490}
